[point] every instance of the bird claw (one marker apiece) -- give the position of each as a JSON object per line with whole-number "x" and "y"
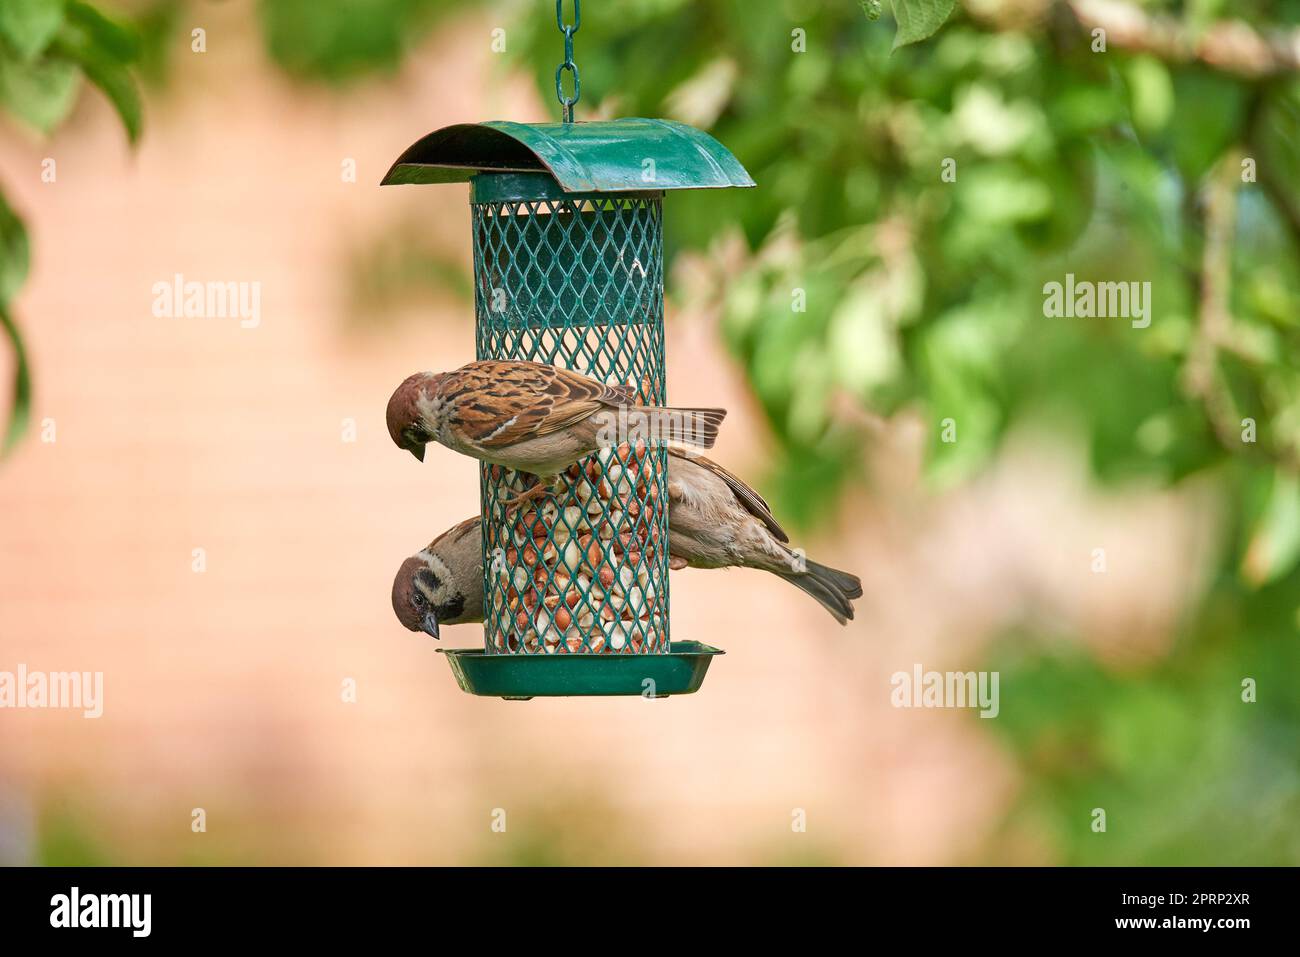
{"x": 514, "y": 503}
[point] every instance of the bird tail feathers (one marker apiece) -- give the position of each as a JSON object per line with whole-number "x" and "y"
{"x": 846, "y": 582}
{"x": 831, "y": 587}
{"x": 685, "y": 426}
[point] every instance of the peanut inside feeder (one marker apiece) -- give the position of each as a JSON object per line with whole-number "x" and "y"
{"x": 582, "y": 572}
{"x": 575, "y": 282}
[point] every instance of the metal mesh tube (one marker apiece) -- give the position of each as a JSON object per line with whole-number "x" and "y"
{"x": 575, "y": 280}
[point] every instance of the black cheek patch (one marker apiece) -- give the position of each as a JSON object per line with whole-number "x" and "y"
{"x": 428, "y": 579}
{"x": 451, "y": 610}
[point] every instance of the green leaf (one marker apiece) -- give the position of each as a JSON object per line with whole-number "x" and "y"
{"x": 1209, "y": 117}
{"x": 1151, "y": 92}
{"x": 14, "y": 254}
{"x": 29, "y": 25}
{"x": 918, "y": 19}
{"x": 103, "y": 48}
{"x": 20, "y": 410}
{"x": 112, "y": 40}
{"x": 14, "y": 257}
{"x": 119, "y": 87}
{"x": 1275, "y": 542}
{"x": 39, "y": 93}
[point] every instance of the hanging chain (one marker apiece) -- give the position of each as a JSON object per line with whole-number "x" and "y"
{"x": 566, "y": 102}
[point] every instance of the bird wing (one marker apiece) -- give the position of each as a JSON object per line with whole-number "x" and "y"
{"x": 456, "y": 532}
{"x": 500, "y": 403}
{"x": 751, "y": 500}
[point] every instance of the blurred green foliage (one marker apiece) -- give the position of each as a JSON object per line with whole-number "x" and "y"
{"x": 402, "y": 263}
{"x": 66, "y": 835}
{"x": 1186, "y": 772}
{"x": 875, "y": 284}
{"x": 339, "y": 41}
{"x": 924, "y": 293}
{"x": 47, "y": 47}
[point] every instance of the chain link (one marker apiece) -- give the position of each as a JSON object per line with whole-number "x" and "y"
{"x": 566, "y": 102}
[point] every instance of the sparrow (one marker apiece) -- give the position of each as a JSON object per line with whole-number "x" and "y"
{"x": 436, "y": 585}
{"x": 715, "y": 520}
{"x": 532, "y": 417}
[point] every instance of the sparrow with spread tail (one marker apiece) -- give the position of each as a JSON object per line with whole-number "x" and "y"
{"x": 532, "y": 417}
{"x": 715, "y": 520}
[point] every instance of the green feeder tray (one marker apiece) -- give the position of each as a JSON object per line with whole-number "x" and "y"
{"x": 520, "y": 677}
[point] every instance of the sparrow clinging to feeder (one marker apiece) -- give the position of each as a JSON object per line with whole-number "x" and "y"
{"x": 443, "y": 583}
{"x": 533, "y": 417}
{"x": 715, "y": 520}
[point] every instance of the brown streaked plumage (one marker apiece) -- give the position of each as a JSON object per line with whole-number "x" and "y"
{"x": 530, "y": 416}
{"x": 715, "y": 520}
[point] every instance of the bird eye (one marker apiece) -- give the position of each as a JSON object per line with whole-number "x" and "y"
{"x": 417, "y": 598}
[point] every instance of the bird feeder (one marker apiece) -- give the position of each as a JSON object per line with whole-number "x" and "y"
{"x": 567, "y": 223}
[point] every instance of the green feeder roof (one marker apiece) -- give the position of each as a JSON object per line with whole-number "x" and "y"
{"x": 607, "y": 156}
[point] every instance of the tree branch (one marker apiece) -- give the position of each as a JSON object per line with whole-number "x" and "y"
{"x": 1232, "y": 46}
{"x": 1203, "y": 376}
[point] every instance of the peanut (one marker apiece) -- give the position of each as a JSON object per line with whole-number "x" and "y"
{"x": 581, "y": 570}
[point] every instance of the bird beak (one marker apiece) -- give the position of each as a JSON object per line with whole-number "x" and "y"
{"x": 418, "y": 452}
{"x": 430, "y": 625}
